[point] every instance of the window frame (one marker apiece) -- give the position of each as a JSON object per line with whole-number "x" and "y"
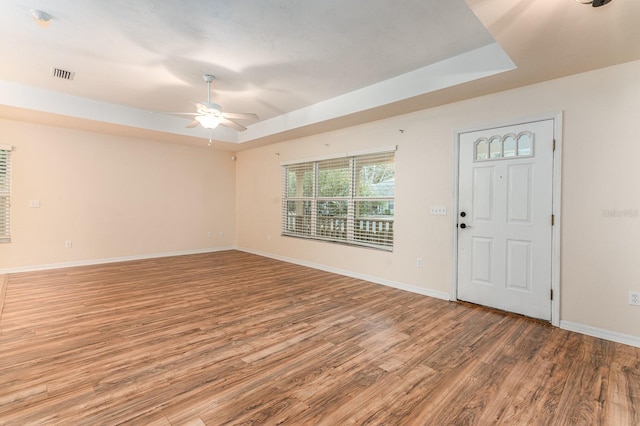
{"x": 307, "y": 220}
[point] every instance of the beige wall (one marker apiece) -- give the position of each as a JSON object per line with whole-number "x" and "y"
{"x": 113, "y": 197}
{"x": 116, "y": 197}
{"x": 601, "y": 153}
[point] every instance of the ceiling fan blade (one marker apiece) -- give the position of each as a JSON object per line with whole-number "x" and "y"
{"x": 202, "y": 108}
{"x": 194, "y": 123}
{"x": 240, "y": 115}
{"x": 226, "y": 122}
{"x": 181, "y": 113}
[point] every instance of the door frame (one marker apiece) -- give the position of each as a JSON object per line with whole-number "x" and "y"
{"x": 557, "y": 118}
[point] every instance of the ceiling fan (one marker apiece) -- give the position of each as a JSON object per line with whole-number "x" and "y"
{"x": 209, "y": 115}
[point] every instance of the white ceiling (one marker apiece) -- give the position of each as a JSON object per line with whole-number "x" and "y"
{"x": 302, "y": 66}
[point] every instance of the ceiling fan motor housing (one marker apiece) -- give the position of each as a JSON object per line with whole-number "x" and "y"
{"x": 210, "y": 108}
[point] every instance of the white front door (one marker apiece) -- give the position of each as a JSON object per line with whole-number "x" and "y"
{"x": 504, "y": 218}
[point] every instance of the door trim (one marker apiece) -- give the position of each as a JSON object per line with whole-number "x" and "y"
{"x": 557, "y": 118}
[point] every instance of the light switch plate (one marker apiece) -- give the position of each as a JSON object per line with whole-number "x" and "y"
{"x": 34, "y": 204}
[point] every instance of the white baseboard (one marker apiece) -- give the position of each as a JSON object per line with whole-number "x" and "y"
{"x": 601, "y": 333}
{"x": 566, "y": 325}
{"x": 109, "y": 260}
{"x": 376, "y": 280}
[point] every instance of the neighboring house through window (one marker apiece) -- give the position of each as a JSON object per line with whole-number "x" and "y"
{"x": 347, "y": 199}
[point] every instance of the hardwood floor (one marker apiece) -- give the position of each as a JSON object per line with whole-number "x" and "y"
{"x": 233, "y": 338}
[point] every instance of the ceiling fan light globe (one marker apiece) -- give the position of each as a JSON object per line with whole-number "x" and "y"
{"x": 209, "y": 121}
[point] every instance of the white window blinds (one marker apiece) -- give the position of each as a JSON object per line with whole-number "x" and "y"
{"x": 5, "y": 190}
{"x": 347, "y": 199}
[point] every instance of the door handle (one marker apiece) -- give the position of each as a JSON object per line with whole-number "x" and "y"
{"x": 463, "y": 226}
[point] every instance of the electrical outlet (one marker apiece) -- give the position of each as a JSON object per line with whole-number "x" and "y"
{"x": 209, "y": 234}
{"x": 634, "y": 298}
{"x": 68, "y": 244}
{"x": 419, "y": 262}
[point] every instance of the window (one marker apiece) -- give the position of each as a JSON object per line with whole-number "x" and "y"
{"x": 504, "y": 147}
{"x": 348, "y": 199}
{"x": 5, "y": 188}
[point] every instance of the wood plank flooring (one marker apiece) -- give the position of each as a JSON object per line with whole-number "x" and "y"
{"x": 231, "y": 338}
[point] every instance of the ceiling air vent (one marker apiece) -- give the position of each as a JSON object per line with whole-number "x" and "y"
{"x": 63, "y": 74}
